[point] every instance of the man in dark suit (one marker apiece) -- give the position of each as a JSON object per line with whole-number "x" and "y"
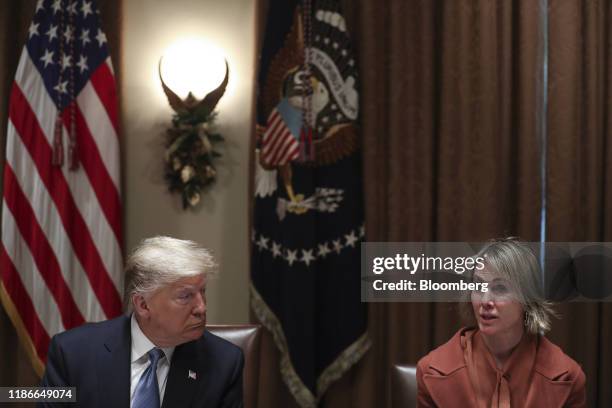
{"x": 160, "y": 354}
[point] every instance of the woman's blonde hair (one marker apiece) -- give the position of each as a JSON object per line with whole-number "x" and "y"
{"x": 514, "y": 261}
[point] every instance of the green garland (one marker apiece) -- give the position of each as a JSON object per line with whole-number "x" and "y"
{"x": 190, "y": 155}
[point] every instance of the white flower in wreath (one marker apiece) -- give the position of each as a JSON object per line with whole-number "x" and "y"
{"x": 187, "y": 173}
{"x": 194, "y": 199}
{"x": 210, "y": 172}
{"x": 206, "y": 146}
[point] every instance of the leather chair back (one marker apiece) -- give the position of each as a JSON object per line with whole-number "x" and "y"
{"x": 403, "y": 386}
{"x": 248, "y": 338}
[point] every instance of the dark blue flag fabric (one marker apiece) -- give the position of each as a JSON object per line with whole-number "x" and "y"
{"x": 308, "y": 216}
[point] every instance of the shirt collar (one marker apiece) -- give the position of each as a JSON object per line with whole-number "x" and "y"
{"x": 141, "y": 344}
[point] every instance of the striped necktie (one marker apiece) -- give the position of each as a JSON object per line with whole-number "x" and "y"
{"x": 146, "y": 394}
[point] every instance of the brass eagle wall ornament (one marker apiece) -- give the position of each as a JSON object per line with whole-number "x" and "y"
{"x": 191, "y": 105}
{"x": 190, "y": 141}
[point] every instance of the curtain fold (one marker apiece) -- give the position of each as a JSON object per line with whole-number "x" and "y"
{"x": 579, "y": 169}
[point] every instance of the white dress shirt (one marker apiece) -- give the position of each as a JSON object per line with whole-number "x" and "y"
{"x": 141, "y": 345}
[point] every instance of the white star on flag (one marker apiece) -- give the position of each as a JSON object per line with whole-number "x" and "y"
{"x": 66, "y": 61}
{"x": 52, "y": 33}
{"x": 323, "y": 250}
{"x": 69, "y": 34}
{"x": 33, "y": 30}
{"x": 86, "y": 9}
{"x": 337, "y": 245}
{"x": 85, "y": 37}
{"x": 262, "y": 243}
{"x": 39, "y": 5}
{"x": 57, "y": 6}
{"x": 307, "y": 256}
{"x": 82, "y": 64}
{"x": 351, "y": 239}
{"x": 101, "y": 37}
{"x": 72, "y": 8}
{"x": 61, "y": 87}
{"x": 47, "y": 58}
{"x": 276, "y": 249}
{"x": 291, "y": 256}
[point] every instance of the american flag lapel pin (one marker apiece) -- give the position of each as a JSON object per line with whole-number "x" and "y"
{"x": 192, "y": 375}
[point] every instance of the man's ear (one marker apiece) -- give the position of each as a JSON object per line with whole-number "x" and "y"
{"x": 141, "y": 308}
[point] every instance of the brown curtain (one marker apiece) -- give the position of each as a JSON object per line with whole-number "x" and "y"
{"x": 451, "y": 111}
{"x": 451, "y": 148}
{"x": 15, "y": 18}
{"x": 580, "y": 169}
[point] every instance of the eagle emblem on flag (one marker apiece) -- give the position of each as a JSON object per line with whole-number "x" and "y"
{"x": 313, "y": 105}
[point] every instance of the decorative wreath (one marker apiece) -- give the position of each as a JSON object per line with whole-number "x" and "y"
{"x": 190, "y": 142}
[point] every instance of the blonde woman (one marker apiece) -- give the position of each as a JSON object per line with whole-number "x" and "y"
{"x": 503, "y": 359}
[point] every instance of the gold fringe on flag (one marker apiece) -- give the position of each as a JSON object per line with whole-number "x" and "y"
{"x": 22, "y": 332}
{"x": 349, "y": 357}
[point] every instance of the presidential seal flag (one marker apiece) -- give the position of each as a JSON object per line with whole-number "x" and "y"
{"x": 308, "y": 216}
{"x": 60, "y": 256}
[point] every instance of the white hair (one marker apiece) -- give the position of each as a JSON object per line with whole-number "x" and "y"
{"x": 160, "y": 261}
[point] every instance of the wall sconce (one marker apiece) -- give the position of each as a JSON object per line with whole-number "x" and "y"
{"x": 189, "y": 68}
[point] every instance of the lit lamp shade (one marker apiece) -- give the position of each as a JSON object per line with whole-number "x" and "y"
{"x": 192, "y": 65}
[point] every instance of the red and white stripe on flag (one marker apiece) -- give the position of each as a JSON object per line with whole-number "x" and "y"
{"x": 278, "y": 146}
{"x": 60, "y": 257}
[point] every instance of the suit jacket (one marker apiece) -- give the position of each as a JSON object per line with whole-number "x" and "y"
{"x": 443, "y": 380}
{"x": 95, "y": 358}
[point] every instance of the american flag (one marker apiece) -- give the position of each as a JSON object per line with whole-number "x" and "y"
{"x": 280, "y": 142}
{"x": 60, "y": 257}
